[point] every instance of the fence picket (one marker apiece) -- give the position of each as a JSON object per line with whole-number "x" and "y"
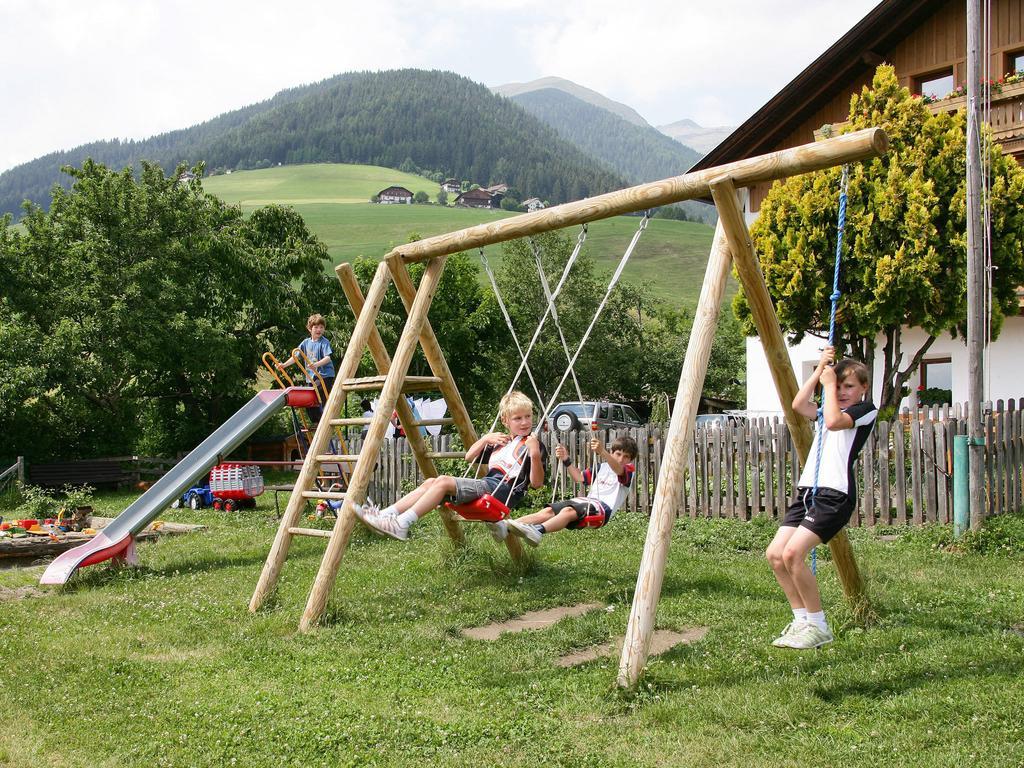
{"x": 755, "y": 469}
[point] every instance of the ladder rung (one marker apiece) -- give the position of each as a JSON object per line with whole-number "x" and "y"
{"x": 318, "y": 532}
{"x": 448, "y": 455}
{"x": 359, "y": 422}
{"x": 335, "y": 458}
{"x": 410, "y": 384}
{"x": 333, "y": 495}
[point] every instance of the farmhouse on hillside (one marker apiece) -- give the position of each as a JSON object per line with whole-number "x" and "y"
{"x": 478, "y": 198}
{"x": 925, "y": 40}
{"x": 393, "y": 195}
{"x": 451, "y": 186}
{"x": 533, "y": 204}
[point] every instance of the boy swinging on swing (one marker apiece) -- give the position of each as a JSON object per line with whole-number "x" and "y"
{"x": 826, "y": 493}
{"x": 515, "y": 461}
{"x": 608, "y": 487}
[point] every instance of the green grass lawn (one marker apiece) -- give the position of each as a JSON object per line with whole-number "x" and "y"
{"x": 671, "y": 256}
{"x": 164, "y": 666}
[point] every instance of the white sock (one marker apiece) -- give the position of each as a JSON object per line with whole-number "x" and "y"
{"x": 407, "y": 518}
{"x": 799, "y": 614}
{"x": 388, "y": 511}
{"x": 818, "y": 619}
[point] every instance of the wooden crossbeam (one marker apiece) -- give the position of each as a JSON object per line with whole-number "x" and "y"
{"x": 411, "y": 383}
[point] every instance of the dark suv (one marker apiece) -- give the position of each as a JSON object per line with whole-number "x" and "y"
{"x": 576, "y": 415}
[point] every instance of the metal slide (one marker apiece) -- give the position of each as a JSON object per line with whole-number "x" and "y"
{"x": 118, "y": 538}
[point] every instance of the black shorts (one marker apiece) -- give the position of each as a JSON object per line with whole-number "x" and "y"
{"x": 598, "y": 513}
{"x": 824, "y": 513}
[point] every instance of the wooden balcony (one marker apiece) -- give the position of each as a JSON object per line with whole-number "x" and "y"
{"x": 1007, "y": 118}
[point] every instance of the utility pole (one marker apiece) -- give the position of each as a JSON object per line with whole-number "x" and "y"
{"x": 975, "y": 270}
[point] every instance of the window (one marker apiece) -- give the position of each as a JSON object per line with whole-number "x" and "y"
{"x": 936, "y": 85}
{"x": 937, "y": 372}
{"x": 631, "y": 416}
{"x": 1015, "y": 62}
{"x": 936, "y": 386}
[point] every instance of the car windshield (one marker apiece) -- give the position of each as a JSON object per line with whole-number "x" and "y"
{"x": 579, "y": 409}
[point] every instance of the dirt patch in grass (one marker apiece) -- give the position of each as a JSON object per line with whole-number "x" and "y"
{"x": 531, "y": 620}
{"x": 20, "y": 593}
{"x": 663, "y": 640}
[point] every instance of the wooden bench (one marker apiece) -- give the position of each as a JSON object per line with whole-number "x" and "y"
{"x": 99, "y": 473}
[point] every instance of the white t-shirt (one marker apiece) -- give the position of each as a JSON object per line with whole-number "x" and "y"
{"x": 610, "y": 489}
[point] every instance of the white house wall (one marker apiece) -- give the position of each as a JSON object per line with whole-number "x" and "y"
{"x": 1004, "y": 366}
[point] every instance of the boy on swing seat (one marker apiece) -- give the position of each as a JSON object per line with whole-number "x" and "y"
{"x": 515, "y": 461}
{"x": 815, "y": 516}
{"x": 607, "y": 492}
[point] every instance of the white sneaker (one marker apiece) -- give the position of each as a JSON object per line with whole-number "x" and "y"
{"x": 792, "y": 628}
{"x": 808, "y": 636}
{"x": 499, "y": 531}
{"x": 525, "y": 531}
{"x": 385, "y": 525}
{"x": 369, "y": 508}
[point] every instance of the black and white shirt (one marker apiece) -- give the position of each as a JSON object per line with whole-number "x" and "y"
{"x": 840, "y": 450}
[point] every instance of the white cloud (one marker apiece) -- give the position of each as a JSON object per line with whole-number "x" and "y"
{"x": 133, "y": 68}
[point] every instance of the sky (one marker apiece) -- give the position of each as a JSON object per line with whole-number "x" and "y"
{"x": 81, "y": 71}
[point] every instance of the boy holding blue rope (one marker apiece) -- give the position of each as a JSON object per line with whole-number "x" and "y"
{"x": 826, "y": 493}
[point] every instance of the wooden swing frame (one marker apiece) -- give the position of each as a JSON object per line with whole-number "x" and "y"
{"x": 731, "y": 246}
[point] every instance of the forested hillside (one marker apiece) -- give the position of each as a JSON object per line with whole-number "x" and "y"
{"x": 639, "y": 153}
{"x": 437, "y": 123}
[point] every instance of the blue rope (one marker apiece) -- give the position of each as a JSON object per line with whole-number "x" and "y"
{"x": 840, "y": 227}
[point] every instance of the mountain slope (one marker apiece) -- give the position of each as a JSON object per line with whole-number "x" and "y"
{"x": 691, "y": 134}
{"x": 434, "y": 122}
{"x": 639, "y": 153}
{"x": 630, "y": 115}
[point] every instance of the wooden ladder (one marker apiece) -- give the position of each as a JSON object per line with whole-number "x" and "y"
{"x": 392, "y": 381}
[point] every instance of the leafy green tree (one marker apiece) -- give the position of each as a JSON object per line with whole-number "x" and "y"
{"x": 421, "y": 197}
{"x": 442, "y": 198}
{"x": 135, "y": 311}
{"x": 904, "y": 259}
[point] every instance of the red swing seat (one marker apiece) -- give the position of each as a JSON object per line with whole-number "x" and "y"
{"x": 593, "y": 519}
{"x": 486, "y": 509}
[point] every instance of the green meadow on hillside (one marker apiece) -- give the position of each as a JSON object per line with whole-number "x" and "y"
{"x": 333, "y": 199}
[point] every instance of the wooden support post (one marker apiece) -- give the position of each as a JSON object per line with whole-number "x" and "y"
{"x": 640, "y": 628}
{"x": 439, "y": 367}
{"x": 767, "y": 322}
{"x": 381, "y": 358}
{"x": 310, "y": 467}
{"x": 389, "y": 396}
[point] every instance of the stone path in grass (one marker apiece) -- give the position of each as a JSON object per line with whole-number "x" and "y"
{"x": 663, "y": 640}
{"x": 531, "y": 620}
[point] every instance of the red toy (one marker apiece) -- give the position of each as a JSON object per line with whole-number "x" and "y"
{"x": 235, "y": 485}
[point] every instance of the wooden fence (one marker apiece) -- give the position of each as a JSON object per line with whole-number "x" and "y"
{"x": 747, "y": 469}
